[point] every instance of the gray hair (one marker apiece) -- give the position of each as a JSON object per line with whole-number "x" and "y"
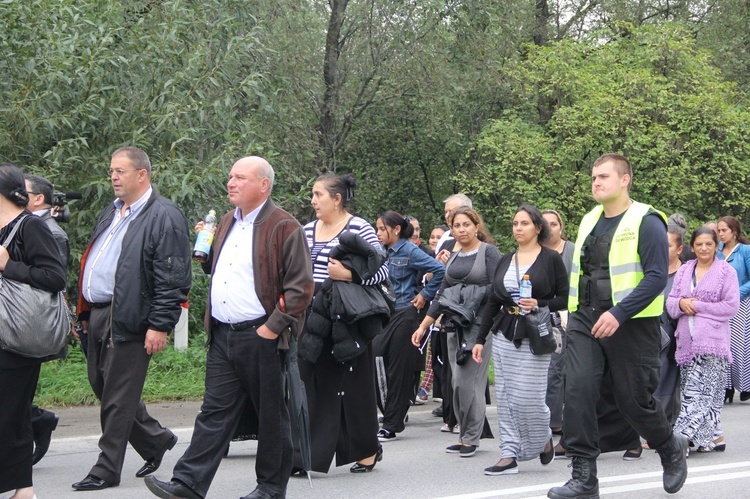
{"x": 463, "y": 199}
{"x": 265, "y": 170}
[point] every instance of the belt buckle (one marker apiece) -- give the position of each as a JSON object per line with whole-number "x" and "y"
{"x": 514, "y": 310}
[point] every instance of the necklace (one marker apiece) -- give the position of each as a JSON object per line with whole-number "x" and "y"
{"x": 562, "y": 242}
{"x": 330, "y": 229}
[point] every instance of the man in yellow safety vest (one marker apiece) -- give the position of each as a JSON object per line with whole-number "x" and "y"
{"x": 620, "y": 266}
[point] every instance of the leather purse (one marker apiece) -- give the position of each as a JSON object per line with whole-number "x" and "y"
{"x": 33, "y": 322}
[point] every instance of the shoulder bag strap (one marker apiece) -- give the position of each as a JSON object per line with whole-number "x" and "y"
{"x": 13, "y": 232}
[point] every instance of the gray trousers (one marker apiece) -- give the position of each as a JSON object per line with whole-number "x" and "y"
{"x": 469, "y": 382}
{"x": 116, "y": 374}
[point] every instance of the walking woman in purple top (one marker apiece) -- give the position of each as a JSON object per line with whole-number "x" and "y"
{"x": 704, "y": 296}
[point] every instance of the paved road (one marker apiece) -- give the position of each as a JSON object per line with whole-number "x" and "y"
{"x": 414, "y": 466}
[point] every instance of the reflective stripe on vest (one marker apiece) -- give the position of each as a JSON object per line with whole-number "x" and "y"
{"x": 625, "y": 270}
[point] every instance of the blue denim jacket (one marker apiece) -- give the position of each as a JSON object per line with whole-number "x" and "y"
{"x": 740, "y": 260}
{"x": 405, "y": 261}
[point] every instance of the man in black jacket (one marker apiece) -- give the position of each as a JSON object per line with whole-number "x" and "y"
{"x": 135, "y": 273}
{"x": 40, "y": 190}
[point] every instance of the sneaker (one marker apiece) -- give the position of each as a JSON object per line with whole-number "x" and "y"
{"x": 422, "y": 396}
{"x": 509, "y": 469}
{"x": 438, "y": 412}
{"x": 453, "y": 449}
{"x": 468, "y": 450}
{"x": 437, "y": 400}
{"x": 446, "y": 428}
{"x": 385, "y": 435}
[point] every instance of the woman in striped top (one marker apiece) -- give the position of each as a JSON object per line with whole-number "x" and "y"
{"x": 341, "y": 397}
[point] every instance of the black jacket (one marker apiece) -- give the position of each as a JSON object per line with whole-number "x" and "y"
{"x": 549, "y": 285}
{"x": 153, "y": 275}
{"x": 347, "y": 314}
{"x": 358, "y": 255}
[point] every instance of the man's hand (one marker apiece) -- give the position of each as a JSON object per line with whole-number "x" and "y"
{"x": 156, "y": 341}
{"x": 266, "y": 333}
{"x": 606, "y": 326}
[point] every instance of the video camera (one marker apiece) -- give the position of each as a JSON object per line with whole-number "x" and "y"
{"x": 59, "y": 209}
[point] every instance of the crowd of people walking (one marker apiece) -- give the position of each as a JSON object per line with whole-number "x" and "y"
{"x": 629, "y": 336}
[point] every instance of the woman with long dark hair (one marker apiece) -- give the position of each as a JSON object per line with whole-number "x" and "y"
{"x": 521, "y": 375}
{"x": 473, "y": 265}
{"x": 32, "y": 258}
{"x": 734, "y": 248}
{"x": 406, "y": 262}
{"x": 341, "y": 397}
{"x": 703, "y": 299}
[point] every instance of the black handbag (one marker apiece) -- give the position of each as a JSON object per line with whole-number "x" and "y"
{"x": 539, "y": 331}
{"x": 33, "y": 322}
{"x": 537, "y": 326}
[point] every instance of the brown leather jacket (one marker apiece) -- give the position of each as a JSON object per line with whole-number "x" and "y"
{"x": 282, "y": 265}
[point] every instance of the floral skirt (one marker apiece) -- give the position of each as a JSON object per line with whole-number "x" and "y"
{"x": 702, "y": 385}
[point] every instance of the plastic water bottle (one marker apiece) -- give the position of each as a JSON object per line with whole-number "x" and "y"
{"x": 205, "y": 238}
{"x": 525, "y": 288}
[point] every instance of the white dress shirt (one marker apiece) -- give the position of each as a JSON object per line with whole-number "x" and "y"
{"x": 233, "y": 296}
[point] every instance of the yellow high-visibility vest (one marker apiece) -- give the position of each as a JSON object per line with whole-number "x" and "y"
{"x": 625, "y": 270}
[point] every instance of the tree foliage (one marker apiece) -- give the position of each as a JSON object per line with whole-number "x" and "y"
{"x": 646, "y": 92}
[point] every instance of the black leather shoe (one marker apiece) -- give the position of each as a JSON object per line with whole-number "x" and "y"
{"x": 42, "y": 441}
{"x": 583, "y": 483}
{"x": 260, "y": 494}
{"x": 366, "y": 468}
{"x": 92, "y": 482}
{"x": 729, "y": 395}
{"x": 673, "y": 454}
{"x": 153, "y": 464}
{"x": 744, "y": 396}
{"x": 170, "y": 490}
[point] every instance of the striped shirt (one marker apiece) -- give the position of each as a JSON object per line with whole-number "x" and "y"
{"x": 321, "y": 249}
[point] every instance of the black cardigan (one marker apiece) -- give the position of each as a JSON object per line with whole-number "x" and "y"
{"x": 549, "y": 285}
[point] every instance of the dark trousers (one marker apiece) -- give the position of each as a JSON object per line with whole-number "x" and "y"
{"x": 630, "y": 361}
{"x": 437, "y": 365}
{"x": 446, "y": 381}
{"x": 240, "y": 364}
{"x": 116, "y": 374}
{"x": 17, "y": 386}
{"x": 400, "y": 358}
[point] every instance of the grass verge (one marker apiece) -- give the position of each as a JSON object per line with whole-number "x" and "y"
{"x": 172, "y": 375}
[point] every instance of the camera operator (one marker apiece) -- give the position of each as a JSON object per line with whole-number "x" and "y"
{"x": 40, "y": 203}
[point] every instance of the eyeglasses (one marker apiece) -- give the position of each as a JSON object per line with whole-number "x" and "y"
{"x": 119, "y": 172}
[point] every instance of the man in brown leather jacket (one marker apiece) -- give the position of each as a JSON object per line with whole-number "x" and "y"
{"x": 259, "y": 254}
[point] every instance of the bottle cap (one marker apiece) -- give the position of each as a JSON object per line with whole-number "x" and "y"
{"x": 526, "y": 276}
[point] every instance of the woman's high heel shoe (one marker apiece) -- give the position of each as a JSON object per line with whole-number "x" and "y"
{"x": 366, "y": 468}
{"x": 729, "y": 396}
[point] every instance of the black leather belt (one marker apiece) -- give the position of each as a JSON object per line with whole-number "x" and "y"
{"x": 244, "y": 325}
{"x": 101, "y": 305}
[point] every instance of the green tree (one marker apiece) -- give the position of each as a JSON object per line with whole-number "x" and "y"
{"x": 649, "y": 94}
